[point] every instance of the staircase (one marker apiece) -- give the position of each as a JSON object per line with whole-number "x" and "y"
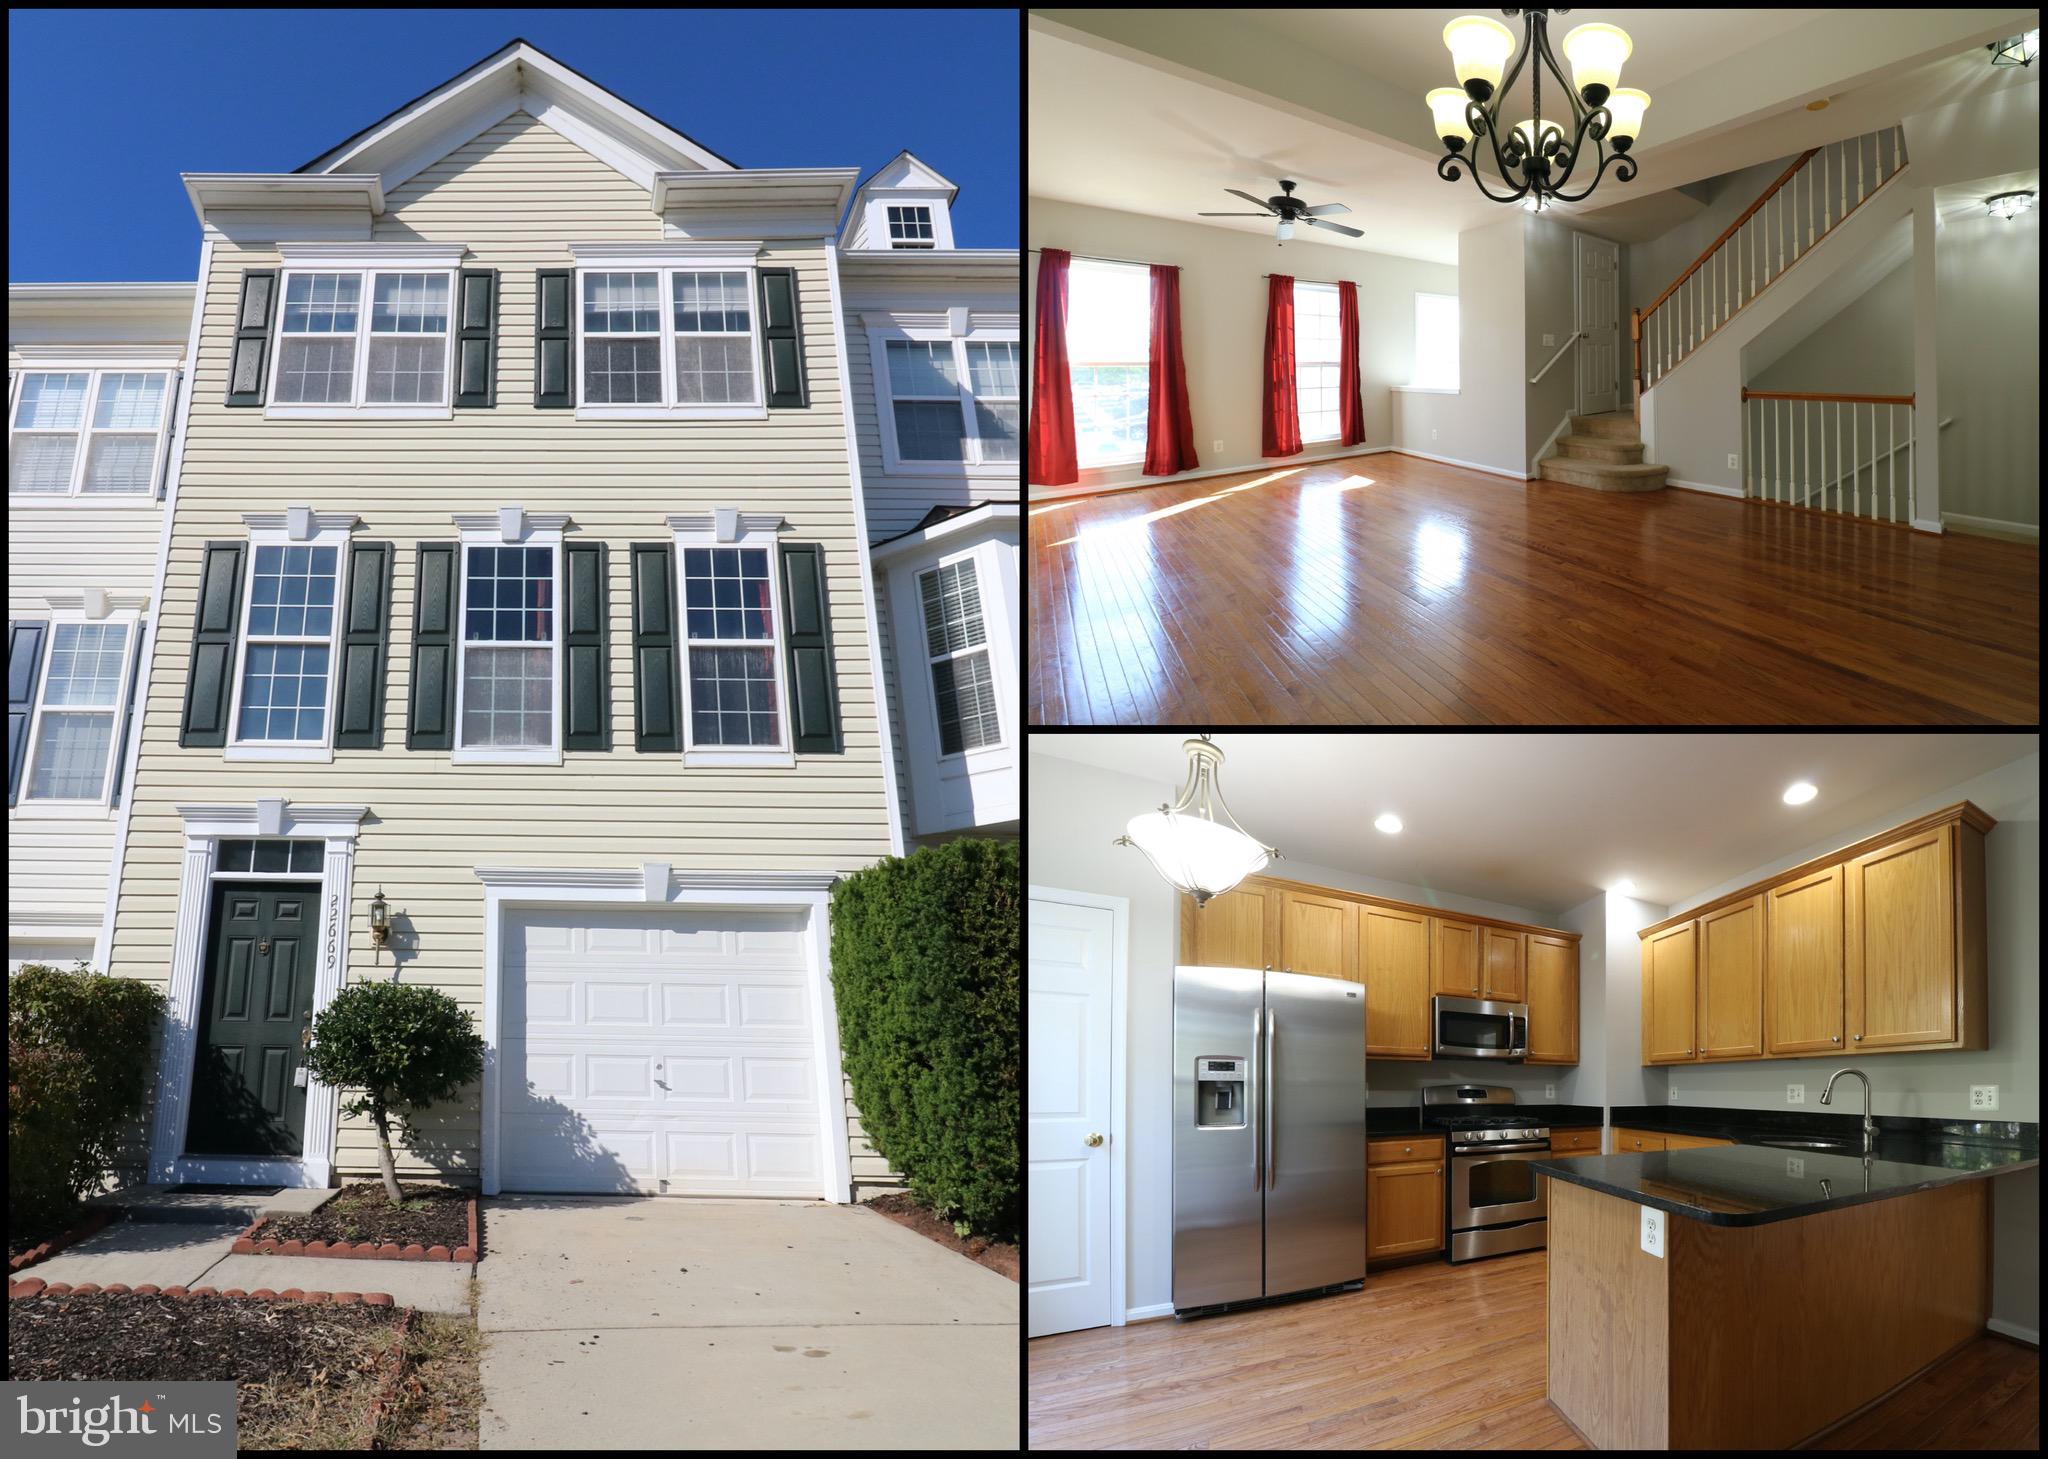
{"x": 1604, "y": 452}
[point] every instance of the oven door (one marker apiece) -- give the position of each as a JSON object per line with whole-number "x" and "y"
{"x": 1497, "y": 1187}
{"x": 1475, "y": 1028}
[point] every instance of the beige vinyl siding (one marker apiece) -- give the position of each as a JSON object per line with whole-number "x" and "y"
{"x": 517, "y": 195}
{"x": 871, "y": 1172}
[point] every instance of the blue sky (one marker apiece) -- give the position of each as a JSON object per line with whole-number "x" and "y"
{"x": 105, "y": 108}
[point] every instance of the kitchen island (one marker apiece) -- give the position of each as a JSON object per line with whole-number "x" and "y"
{"x": 1792, "y": 1288}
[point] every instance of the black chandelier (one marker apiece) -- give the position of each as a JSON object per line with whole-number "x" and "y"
{"x": 1534, "y": 159}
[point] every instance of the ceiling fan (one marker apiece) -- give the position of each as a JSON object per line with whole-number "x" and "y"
{"x": 1289, "y": 209}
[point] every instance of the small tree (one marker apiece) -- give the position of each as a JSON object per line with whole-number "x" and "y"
{"x": 402, "y": 1047}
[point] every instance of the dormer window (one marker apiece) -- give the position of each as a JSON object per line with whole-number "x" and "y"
{"x": 910, "y": 225}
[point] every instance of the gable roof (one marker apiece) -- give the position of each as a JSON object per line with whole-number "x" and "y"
{"x": 916, "y": 162}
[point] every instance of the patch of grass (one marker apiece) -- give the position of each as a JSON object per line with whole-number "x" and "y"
{"x": 331, "y": 1411}
{"x": 437, "y": 1400}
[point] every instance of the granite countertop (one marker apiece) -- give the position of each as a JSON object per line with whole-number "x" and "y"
{"x": 1749, "y": 1185}
{"x": 1745, "y": 1125}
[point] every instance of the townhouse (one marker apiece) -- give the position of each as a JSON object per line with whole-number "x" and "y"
{"x": 521, "y": 632}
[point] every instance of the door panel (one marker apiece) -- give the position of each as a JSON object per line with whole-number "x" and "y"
{"x": 1315, "y": 1133}
{"x": 1731, "y": 969}
{"x": 1454, "y": 958}
{"x": 246, "y": 1100}
{"x": 1668, "y": 992}
{"x": 1317, "y": 935}
{"x": 1599, "y": 323}
{"x": 1553, "y": 1000}
{"x": 1803, "y": 964}
{"x": 1900, "y": 952}
{"x": 1506, "y": 981}
{"x": 1393, "y": 960}
{"x": 1231, "y": 931}
{"x": 1218, "y": 1182}
{"x": 1406, "y": 1206}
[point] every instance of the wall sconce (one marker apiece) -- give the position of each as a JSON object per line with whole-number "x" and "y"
{"x": 380, "y": 919}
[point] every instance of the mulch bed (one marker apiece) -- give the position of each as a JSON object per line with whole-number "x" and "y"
{"x": 431, "y": 1223}
{"x": 903, "y": 1209}
{"x": 99, "y": 1337}
{"x": 25, "y": 1249}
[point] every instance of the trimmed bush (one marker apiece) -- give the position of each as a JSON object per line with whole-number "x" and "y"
{"x": 925, "y": 973}
{"x": 401, "y": 1047}
{"x": 78, "y": 1068}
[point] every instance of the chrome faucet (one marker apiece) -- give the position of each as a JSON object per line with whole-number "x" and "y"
{"x": 1869, "y": 1124}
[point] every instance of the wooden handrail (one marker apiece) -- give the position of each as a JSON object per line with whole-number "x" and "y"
{"x": 1728, "y": 233}
{"x": 1748, "y": 394}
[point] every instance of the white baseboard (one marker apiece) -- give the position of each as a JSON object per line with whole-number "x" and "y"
{"x": 1920, "y": 524}
{"x": 1272, "y": 463}
{"x": 1147, "y": 1314}
{"x": 1468, "y": 465}
{"x": 2030, "y": 1335}
{"x": 1734, "y": 491}
{"x": 1991, "y": 527}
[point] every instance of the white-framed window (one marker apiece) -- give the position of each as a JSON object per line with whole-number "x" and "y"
{"x": 291, "y": 625}
{"x": 1436, "y": 342}
{"x": 735, "y": 709}
{"x": 670, "y": 341}
{"x": 88, "y": 431}
{"x": 1109, "y": 349}
{"x": 360, "y": 337}
{"x": 508, "y": 686}
{"x": 1316, "y": 362}
{"x": 949, "y": 402}
{"x": 78, "y": 712}
{"x": 910, "y": 225}
{"x": 956, "y": 650}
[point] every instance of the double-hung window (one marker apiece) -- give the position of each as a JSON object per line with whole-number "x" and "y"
{"x": 1109, "y": 350}
{"x": 1316, "y": 360}
{"x": 732, "y": 637}
{"x": 284, "y": 695}
{"x": 956, "y": 647}
{"x": 88, "y": 432}
{"x": 78, "y": 712}
{"x": 910, "y": 225}
{"x": 510, "y": 686}
{"x": 670, "y": 341}
{"x": 1436, "y": 342}
{"x": 361, "y": 334}
{"x": 951, "y": 402}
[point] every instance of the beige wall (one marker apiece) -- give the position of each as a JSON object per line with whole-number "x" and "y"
{"x": 1988, "y": 352}
{"x": 1223, "y": 314}
{"x": 1485, "y": 423}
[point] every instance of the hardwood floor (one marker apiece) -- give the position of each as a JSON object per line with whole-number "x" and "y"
{"x": 1386, "y": 589}
{"x": 1432, "y": 1356}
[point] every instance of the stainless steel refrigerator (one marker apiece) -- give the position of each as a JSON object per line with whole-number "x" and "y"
{"x": 1268, "y": 1135}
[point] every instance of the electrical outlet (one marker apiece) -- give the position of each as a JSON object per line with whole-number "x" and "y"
{"x": 1731, "y": 460}
{"x": 1983, "y": 1096}
{"x": 1673, "y": 1093}
{"x": 1550, "y": 1091}
{"x": 1432, "y": 433}
{"x": 1795, "y": 1167}
{"x": 1653, "y": 1231}
{"x": 1795, "y": 1094}
{"x": 1219, "y": 446}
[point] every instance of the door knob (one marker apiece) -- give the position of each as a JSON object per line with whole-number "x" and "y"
{"x": 1092, "y": 1141}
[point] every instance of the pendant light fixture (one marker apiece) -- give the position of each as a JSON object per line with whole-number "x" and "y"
{"x": 1534, "y": 158}
{"x": 2009, "y": 205}
{"x": 2020, "y": 50}
{"x": 1196, "y": 843}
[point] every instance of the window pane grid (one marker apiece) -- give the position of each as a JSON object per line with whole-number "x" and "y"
{"x": 129, "y": 403}
{"x": 509, "y": 595}
{"x": 1316, "y": 360}
{"x": 114, "y": 417}
{"x": 508, "y": 654}
{"x": 271, "y": 856}
{"x": 284, "y": 693}
{"x": 400, "y": 342}
{"x": 508, "y": 697}
{"x": 321, "y": 303}
{"x": 286, "y": 666}
{"x": 71, "y": 756}
{"x": 291, "y": 593}
{"x": 86, "y": 662}
{"x": 910, "y": 226}
{"x": 41, "y": 463}
{"x": 729, "y": 626}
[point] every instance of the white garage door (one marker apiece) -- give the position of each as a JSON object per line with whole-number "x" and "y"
{"x": 662, "y": 1052}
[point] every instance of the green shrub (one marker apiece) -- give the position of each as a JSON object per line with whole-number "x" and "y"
{"x": 401, "y": 1047}
{"x": 78, "y": 1057}
{"x": 925, "y": 973}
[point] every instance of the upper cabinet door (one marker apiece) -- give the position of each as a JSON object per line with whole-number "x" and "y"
{"x": 1803, "y": 964}
{"x": 1318, "y": 935}
{"x": 1899, "y": 955}
{"x": 1553, "y": 999}
{"x": 1731, "y": 998}
{"x": 1234, "y": 931}
{"x": 1506, "y": 972}
{"x": 1393, "y": 958}
{"x": 1454, "y": 958}
{"x": 1668, "y": 995}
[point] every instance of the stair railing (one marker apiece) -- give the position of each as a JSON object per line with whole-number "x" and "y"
{"x": 1569, "y": 340}
{"x": 1809, "y": 200}
{"x": 1789, "y": 440}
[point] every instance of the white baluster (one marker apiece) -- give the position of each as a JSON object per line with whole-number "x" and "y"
{"x": 1748, "y": 449}
{"x": 1806, "y": 416}
{"x": 1784, "y": 452}
{"x": 1825, "y": 223}
{"x": 1856, "y": 479}
{"x": 1859, "y": 172}
{"x": 1891, "y": 462}
{"x": 1912, "y": 464}
{"x": 1842, "y": 181}
{"x": 1839, "y": 486}
{"x": 1808, "y": 215}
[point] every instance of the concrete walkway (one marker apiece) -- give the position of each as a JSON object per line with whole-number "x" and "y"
{"x": 623, "y": 1323}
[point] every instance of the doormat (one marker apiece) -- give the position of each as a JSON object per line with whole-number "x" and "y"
{"x": 226, "y": 1190}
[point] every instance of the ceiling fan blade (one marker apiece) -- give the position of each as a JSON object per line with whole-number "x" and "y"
{"x": 1255, "y": 202}
{"x": 1327, "y": 210}
{"x": 1233, "y": 215}
{"x": 1336, "y": 227}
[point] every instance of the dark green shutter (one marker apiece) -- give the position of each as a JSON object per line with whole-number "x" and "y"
{"x": 476, "y": 345}
{"x": 586, "y": 693}
{"x": 782, "y": 346}
{"x": 813, "y": 698}
{"x": 365, "y": 640}
{"x": 430, "y": 718}
{"x": 657, "y": 708}
{"x": 209, "y": 689}
{"x": 248, "y": 368}
{"x": 24, "y": 665}
{"x": 553, "y": 339}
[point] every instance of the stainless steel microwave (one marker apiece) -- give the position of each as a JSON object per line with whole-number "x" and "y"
{"x": 1474, "y": 1028}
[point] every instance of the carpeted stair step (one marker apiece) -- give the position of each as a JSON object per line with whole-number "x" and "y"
{"x": 1601, "y": 448}
{"x": 1619, "y": 425}
{"x": 1602, "y": 475}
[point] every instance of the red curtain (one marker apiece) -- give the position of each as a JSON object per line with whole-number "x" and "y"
{"x": 1350, "y": 413}
{"x": 1281, "y": 424}
{"x": 1052, "y": 461}
{"x": 1169, "y": 432}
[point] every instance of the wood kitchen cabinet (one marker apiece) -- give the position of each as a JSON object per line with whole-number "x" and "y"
{"x": 1731, "y": 976}
{"x": 1238, "y": 929}
{"x": 1404, "y": 1203}
{"x": 1393, "y": 959}
{"x": 1803, "y": 956}
{"x": 1575, "y": 1142}
{"x": 1454, "y": 958}
{"x": 1909, "y": 981}
{"x": 1692, "y": 1142}
{"x": 1553, "y": 966}
{"x": 1668, "y": 992}
{"x": 1632, "y": 1142}
{"x": 1506, "y": 978}
{"x": 1318, "y": 935}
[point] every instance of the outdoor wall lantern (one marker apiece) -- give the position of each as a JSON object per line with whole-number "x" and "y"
{"x": 380, "y": 919}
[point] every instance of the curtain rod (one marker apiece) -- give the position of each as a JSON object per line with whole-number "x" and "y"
{"x": 1098, "y": 258}
{"x": 1331, "y": 282}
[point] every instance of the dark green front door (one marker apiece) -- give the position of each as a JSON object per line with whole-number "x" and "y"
{"x": 246, "y": 1097}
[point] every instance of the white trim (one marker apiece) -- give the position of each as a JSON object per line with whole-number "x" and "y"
{"x": 349, "y": 198}
{"x": 1734, "y": 491}
{"x": 513, "y": 526}
{"x": 755, "y": 532}
{"x": 664, "y": 270}
{"x": 398, "y": 255}
{"x": 445, "y": 261}
{"x": 2029, "y": 1335}
{"x": 670, "y": 253}
{"x": 1404, "y": 390}
{"x": 1987, "y": 526}
{"x": 988, "y": 774}
{"x": 1275, "y": 463}
{"x": 1149, "y": 1314}
{"x": 893, "y": 463}
{"x": 524, "y": 888}
{"x": 985, "y": 515}
{"x": 1922, "y": 525}
{"x": 331, "y": 529}
{"x": 119, "y": 361}
{"x": 1468, "y": 465}
{"x": 122, "y": 358}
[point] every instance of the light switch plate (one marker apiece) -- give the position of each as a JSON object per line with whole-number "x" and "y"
{"x": 1432, "y": 433}
{"x": 1653, "y": 1231}
{"x": 1795, "y": 1166}
{"x": 1795, "y": 1094}
{"x": 1983, "y": 1096}
{"x": 1219, "y": 446}
{"x": 1731, "y": 460}
{"x": 1549, "y": 339}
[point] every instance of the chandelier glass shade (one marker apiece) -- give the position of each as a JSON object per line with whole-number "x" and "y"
{"x": 1196, "y": 844}
{"x": 2020, "y": 50}
{"x": 1537, "y": 158}
{"x": 2010, "y": 205}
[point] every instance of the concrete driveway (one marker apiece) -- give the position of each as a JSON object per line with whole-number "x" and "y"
{"x": 664, "y": 1323}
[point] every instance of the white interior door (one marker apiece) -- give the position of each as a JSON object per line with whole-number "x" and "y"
{"x": 1597, "y": 265}
{"x": 1068, "y": 1104}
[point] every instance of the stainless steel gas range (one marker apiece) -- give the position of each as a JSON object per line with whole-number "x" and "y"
{"x": 1494, "y": 1203}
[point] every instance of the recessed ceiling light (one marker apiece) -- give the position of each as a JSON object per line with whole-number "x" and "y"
{"x": 1800, "y": 792}
{"x": 1624, "y": 888}
{"x": 1390, "y": 823}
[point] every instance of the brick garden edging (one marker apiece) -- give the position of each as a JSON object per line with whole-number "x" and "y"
{"x": 247, "y": 1245}
{"x": 35, "y": 1286}
{"x": 93, "y": 1222}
